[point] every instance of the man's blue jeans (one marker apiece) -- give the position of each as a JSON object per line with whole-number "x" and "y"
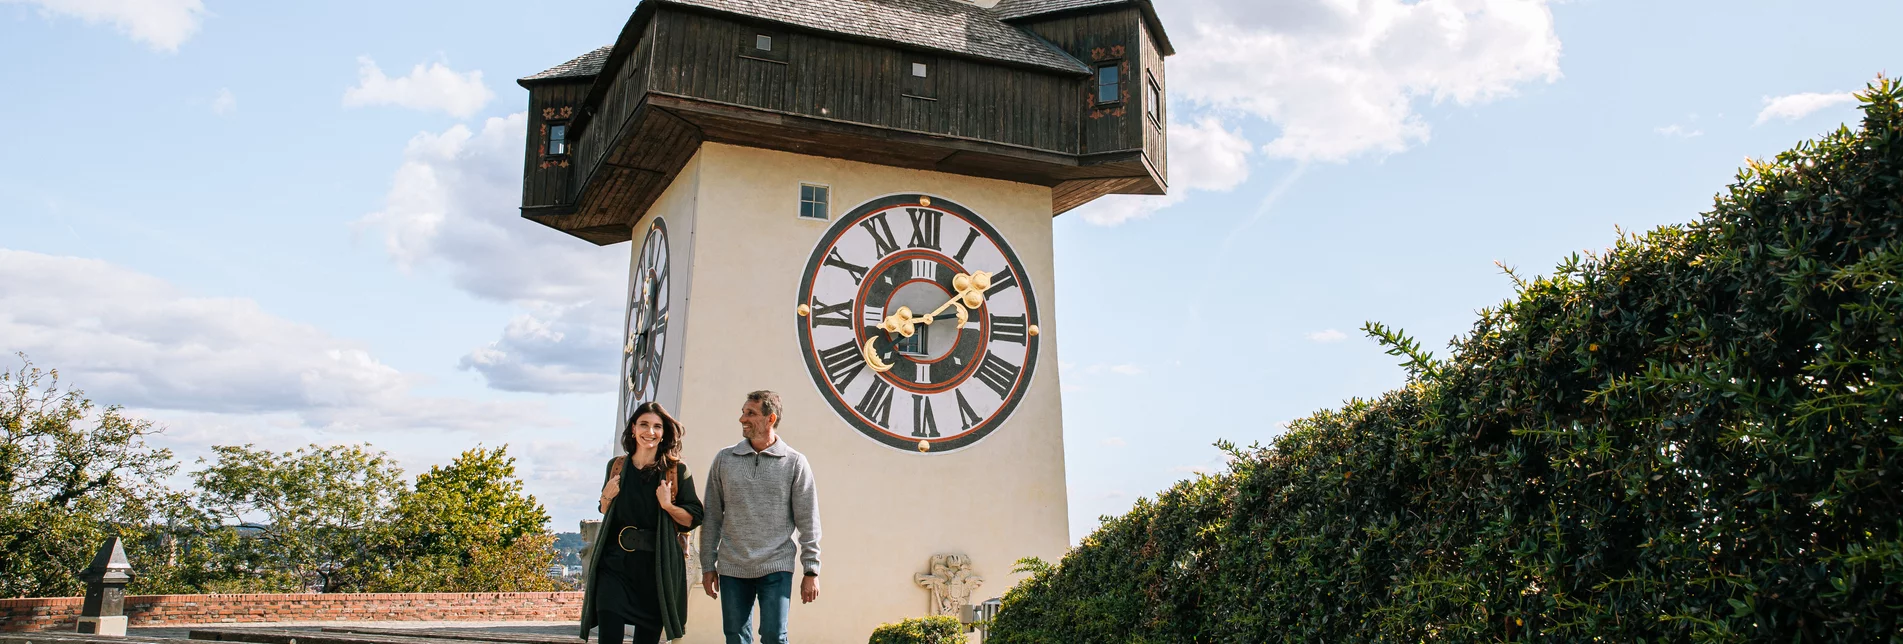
{"x": 775, "y": 593}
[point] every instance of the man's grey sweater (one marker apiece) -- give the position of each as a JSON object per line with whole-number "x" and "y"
{"x": 754, "y": 502}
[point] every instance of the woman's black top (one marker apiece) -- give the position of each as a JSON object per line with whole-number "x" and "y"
{"x": 628, "y": 591}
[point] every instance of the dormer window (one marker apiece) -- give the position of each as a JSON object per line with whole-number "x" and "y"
{"x": 1109, "y": 83}
{"x": 763, "y": 42}
{"x": 557, "y": 139}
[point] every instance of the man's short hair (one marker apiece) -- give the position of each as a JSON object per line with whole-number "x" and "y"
{"x": 769, "y": 404}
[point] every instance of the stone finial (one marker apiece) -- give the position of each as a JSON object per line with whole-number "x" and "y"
{"x": 103, "y": 612}
{"x": 951, "y": 582}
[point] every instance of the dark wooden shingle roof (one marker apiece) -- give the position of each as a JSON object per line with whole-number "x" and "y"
{"x": 950, "y": 26}
{"x": 582, "y": 66}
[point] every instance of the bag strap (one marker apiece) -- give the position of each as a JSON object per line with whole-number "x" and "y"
{"x": 674, "y": 480}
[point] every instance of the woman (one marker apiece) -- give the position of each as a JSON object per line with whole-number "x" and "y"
{"x": 636, "y": 573}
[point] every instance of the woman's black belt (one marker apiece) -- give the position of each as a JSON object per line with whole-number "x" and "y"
{"x": 632, "y": 539}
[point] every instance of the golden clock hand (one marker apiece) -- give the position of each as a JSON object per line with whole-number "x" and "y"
{"x": 970, "y": 295}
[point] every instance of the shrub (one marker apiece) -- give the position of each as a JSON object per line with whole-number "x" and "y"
{"x": 939, "y": 629}
{"x": 1689, "y": 437}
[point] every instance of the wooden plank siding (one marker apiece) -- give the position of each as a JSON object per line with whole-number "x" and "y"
{"x": 701, "y": 56}
{"x": 548, "y": 186}
{"x": 1100, "y": 38}
{"x": 605, "y": 127}
{"x": 1156, "y": 143}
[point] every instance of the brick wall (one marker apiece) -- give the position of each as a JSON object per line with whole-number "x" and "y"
{"x": 61, "y": 613}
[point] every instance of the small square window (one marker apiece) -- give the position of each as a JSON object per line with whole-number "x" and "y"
{"x": 1109, "y": 84}
{"x": 763, "y": 42}
{"x": 921, "y": 70}
{"x": 558, "y": 139}
{"x": 814, "y": 202}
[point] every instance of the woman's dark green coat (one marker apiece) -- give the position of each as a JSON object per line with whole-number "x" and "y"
{"x": 670, "y": 565}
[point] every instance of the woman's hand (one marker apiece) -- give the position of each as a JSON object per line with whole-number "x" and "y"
{"x": 665, "y": 494}
{"x": 609, "y": 491}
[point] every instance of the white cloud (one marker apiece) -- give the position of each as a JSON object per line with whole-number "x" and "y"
{"x": 225, "y": 104}
{"x": 1676, "y": 130}
{"x": 1796, "y": 106}
{"x": 1326, "y": 336}
{"x": 132, "y": 339}
{"x": 1114, "y": 441}
{"x": 160, "y": 24}
{"x": 1190, "y": 469}
{"x": 431, "y": 87}
{"x": 1203, "y": 155}
{"x": 452, "y": 205}
{"x": 570, "y": 351}
{"x": 1126, "y": 370}
{"x": 1343, "y": 79}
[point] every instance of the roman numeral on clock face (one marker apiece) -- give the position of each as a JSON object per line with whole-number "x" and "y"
{"x": 1003, "y": 280}
{"x": 842, "y": 364}
{"x": 997, "y": 373}
{"x": 970, "y": 238}
{"x": 858, "y": 272}
{"x": 923, "y": 426}
{"x": 925, "y": 269}
{"x": 881, "y": 234}
{"x": 1008, "y": 328}
{"x": 926, "y": 226}
{"x": 877, "y": 403}
{"x": 833, "y": 314}
{"x": 966, "y": 417}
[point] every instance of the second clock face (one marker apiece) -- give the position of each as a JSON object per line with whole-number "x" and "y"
{"x": 950, "y": 382}
{"x": 646, "y": 347}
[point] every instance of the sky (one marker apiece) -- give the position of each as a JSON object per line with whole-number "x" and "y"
{"x": 283, "y": 224}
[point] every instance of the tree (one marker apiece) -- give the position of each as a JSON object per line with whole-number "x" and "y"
{"x": 297, "y": 516}
{"x": 467, "y": 527}
{"x": 72, "y": 474}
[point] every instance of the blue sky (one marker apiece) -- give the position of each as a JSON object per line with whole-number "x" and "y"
{"x": 286, "y": 223}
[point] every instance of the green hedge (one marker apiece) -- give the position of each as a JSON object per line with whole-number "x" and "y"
{"x": 1693, "y": 436}
{"x": 938, "y": 629}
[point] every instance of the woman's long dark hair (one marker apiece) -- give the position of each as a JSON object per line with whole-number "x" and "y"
{"x": 668, "y": 454}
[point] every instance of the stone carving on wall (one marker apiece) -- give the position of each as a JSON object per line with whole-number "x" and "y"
{"x": 951, "y": 582}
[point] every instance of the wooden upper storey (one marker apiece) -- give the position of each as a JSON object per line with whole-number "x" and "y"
{"x": 1062, "y": 93}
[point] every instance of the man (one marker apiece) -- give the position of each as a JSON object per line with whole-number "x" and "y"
{"x": 759, "y": 492}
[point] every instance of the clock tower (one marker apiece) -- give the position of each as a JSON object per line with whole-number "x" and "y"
{"x": 849, "y": 202}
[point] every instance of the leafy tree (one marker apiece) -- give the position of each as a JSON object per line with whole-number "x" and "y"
{"x": 72, "y": 474}
{"x": 296, "y": 516}
{"x": 468, "y": 527}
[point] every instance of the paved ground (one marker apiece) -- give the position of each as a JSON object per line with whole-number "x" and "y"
{"x": 538, "y": 628}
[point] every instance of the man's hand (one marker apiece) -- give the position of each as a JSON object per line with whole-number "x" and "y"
{"x": 710, "y": 581}
{"x": 809, "y": 589}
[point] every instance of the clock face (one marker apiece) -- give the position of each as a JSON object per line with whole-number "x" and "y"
{"x": 646, "y": 346}
{"x": 951, "y": 381}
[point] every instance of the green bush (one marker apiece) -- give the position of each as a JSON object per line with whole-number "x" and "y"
{"x": 1690, "y": 437}
{"x": 938, "y": 629}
